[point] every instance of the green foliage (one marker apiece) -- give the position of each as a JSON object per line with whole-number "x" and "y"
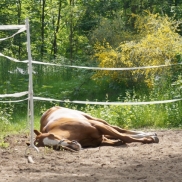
{"x": 139, "y": 116}
{"x": 178, "y": 87}
{"x": 114, "y": 31}
{"x": 5, "y": 115}
{"x": 5, "y": 118}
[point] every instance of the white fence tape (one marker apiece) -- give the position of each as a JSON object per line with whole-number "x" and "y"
{"x": 19, "y": 94}
{"x": 13, "y": 59}
{"x": 11, "y": 27}
{"x": 111, "y": 69}
{"x": 90, "y": 68}
{"x": 107, "y": 103}
{"x": 21, "y": 28}
{"x": 13, "y": 101}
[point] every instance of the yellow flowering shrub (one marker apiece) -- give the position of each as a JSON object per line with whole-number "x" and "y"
{"x": 156, "y": 43}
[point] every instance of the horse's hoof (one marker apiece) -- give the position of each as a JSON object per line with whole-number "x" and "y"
{"x": 152, "y": 134}
{"x": 155, "y": 138}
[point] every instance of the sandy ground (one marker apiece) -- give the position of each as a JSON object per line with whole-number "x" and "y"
{"x": 133, "y": 162}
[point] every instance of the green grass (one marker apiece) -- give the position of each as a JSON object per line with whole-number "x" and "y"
{"x": 148, "y": 116}
{"x": 17, "y": 123}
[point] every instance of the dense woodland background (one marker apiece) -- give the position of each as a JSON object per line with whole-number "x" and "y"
{"x": 103, "y": 33}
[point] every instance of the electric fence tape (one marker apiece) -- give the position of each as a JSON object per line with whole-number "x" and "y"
{"x": 21, "y": 28}
{"x": 19, "y": 94}
{"x": 92, "y": 68}
{"x": 108, "y": 103}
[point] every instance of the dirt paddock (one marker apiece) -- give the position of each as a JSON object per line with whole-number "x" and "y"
{"x": 132, "y": 162}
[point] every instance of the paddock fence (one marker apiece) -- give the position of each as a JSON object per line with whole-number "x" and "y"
{"x": 30, "y": 95}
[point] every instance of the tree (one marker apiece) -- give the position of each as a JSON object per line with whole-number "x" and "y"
{"x": 94, "y": 11}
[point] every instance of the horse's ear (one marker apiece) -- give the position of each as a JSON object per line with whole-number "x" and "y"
{"x": 37, "y": 132}
{"x": 53, "y": 136}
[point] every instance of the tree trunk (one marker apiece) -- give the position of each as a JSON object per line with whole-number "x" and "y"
{"x": 57, "y": 29}
{"x": 71, "y": 33}
{"x": 19, "y": 18}
{"x": 42, "y": 27}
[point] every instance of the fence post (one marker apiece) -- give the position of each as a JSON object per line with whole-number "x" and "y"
{"x": 30, "y": 91}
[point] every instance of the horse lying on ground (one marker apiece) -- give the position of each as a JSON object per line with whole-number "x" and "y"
{"x": 74, "y": 129}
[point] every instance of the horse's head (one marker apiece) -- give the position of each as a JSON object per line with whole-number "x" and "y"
{"x": 51, "y": 140}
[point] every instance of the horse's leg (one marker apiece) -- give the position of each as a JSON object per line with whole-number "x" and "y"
{"x": 108, "y": 142}
{"x": 130, "y": 132}
{"x": 110, "y": 131}
{"x": 135, "y": 134}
